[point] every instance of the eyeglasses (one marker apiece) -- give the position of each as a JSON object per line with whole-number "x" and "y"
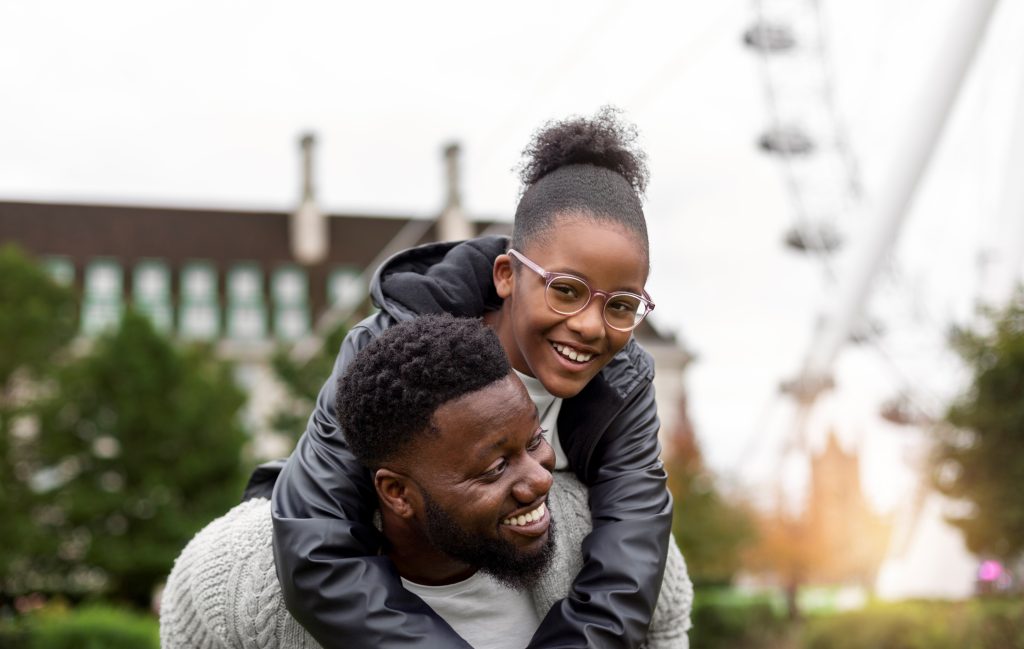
{"x": 568, "y": 295}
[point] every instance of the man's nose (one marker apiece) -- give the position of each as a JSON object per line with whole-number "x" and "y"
{"x": 535, "y": 481}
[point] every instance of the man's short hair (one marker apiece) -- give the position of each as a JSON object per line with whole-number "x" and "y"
{"x": 389, "y": 393}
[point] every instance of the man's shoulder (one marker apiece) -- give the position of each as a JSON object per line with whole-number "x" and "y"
{"x": 224, "y": 586}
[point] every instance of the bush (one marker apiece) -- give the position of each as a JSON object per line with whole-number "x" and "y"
{"x": 978, "y": 624}
{"x": 88, "y": 627}
{"x": 723, "y": 618}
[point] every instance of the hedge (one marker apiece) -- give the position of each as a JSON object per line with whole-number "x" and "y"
{"x": 87, "y": 627}
{"x": 977, "y": 624}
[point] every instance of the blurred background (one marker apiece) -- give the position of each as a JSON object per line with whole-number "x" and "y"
{"x": 193, "y": 197}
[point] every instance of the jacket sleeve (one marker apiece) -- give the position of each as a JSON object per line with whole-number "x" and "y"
{"x": 326, "y": 548}
{"x": 614, "y": 595}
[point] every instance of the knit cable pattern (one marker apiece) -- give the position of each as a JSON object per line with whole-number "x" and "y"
{"x": 223, "y": 592}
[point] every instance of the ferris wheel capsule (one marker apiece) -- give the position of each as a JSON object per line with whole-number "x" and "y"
{"x": 786, "y": 141}
{"x": 768, "y": 37}
{"x": 814, "y": 238}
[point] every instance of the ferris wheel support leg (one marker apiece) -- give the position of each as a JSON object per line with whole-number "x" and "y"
{"x": 935, "y": 103}
{"x": 1000, "y": 280}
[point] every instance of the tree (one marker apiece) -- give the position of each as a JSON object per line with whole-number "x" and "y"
{"x": 37, "y": 320}
{"x": 980, "y": 454}
{"x": 711, "y": 530}
{"x": 141, "y": 446}
{"x": 37, "y": 316}
{"x": 833, "y": 538}
{"x": 302, "y": 382}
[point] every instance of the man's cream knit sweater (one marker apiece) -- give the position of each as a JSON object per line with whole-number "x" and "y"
{"x": 223, "y": 592}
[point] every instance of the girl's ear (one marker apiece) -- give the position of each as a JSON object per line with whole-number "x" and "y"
{"x": 503, "y": 279}
{"x": 394, "y": 493}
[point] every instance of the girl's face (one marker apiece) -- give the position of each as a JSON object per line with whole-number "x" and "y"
{"x": 539, "y": 341}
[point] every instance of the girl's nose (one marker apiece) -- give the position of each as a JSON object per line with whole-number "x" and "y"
{"x": 589, "y": 323}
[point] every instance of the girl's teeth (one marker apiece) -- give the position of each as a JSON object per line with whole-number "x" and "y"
{"x": 572, "y": 354}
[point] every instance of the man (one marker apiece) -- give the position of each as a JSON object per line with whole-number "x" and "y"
{"x": 462, "y": 473}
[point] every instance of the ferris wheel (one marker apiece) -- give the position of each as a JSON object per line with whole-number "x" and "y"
{"x": 806, "y": 135}
{"x": 804, "y": 130}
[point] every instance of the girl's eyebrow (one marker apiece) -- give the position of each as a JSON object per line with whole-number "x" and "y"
{"x": 589, "y": 282}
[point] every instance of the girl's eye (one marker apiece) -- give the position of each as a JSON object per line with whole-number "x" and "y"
{"x": 623, "y": 304}
{"x": 565, "y": 289}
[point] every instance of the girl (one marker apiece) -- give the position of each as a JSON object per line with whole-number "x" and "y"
{"x": 563, "y": 296}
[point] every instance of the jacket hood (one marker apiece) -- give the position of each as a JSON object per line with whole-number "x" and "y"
{"x": 445, "y": 277}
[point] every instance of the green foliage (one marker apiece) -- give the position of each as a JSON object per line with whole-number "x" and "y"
{"x": 37, "y": 320}
{"x": 723, "y": 619}
{"x": 711, "y": 531}
{"x": 37, "y": 316}
{"x": 89, "y": 627}
{"x": 143, "y": 447}
{"x": 726, "y": 619}
{"x": 980, "y": 457}
{"x": 979, "y": 624}
{"x": 303, "y": 381}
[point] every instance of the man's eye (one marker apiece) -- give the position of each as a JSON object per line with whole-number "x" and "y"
{"x": 497, "y": 469}
{"x": 537, "y": 440}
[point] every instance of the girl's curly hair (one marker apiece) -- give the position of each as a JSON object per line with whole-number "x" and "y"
{"x": 602, "y": 140}
{"x": 584, "y": 167}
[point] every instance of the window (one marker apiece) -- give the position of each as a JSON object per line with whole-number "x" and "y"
{"x": 246, "y": 310}
{"x": 199, "y": 315}
{"x": 344, "y": 288}
{"x": 151, "y": 293}
{"x": 290, "y": 291}
{"x": 102, "y": 296}
{"x": 61, "y": 269}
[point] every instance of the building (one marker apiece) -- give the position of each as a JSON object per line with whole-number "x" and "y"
{"x": 248, "y": 281}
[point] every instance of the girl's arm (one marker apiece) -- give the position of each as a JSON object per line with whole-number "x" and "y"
{"x": 614, "y": 595}
{"x": 326, "y": 547}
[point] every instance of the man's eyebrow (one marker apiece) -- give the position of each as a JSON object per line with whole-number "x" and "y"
{"x": 487, "y": 450}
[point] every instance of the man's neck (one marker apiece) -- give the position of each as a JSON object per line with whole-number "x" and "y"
{"x": 416, "y": 559}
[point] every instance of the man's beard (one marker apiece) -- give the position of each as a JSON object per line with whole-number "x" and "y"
{"x": 495, "y": 556}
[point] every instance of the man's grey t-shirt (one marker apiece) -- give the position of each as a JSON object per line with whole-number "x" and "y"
{"x": 485, "y": 613}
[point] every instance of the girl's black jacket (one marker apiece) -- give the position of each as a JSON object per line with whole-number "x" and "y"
{"x": 328, "y": 552}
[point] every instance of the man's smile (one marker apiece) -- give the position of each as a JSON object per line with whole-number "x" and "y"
{"x": 532, "y": 523}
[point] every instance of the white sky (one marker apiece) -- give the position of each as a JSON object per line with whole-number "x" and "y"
{"x": 200, "y": 104}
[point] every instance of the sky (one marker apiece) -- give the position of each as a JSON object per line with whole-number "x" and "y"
{"x": 201, "y": 103}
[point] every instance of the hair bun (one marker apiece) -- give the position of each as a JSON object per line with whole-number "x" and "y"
{"x": 602, "y": 140}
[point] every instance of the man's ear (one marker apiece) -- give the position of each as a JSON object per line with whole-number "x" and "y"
{"x": 503, "y": 276}
{"x": 395, "y": 493}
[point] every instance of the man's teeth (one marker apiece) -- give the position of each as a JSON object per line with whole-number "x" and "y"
{"x": 571, "y": 353}
{"x": 528, "y": 517}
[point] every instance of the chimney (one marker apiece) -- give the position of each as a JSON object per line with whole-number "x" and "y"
{"x": 452, "y": 224}
{"x": 308, "y": 226}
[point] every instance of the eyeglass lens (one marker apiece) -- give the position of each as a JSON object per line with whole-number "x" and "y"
{"x": 569, "y": 295}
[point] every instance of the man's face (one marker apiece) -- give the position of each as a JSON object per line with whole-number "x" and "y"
{"x": 484, "y": 480}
